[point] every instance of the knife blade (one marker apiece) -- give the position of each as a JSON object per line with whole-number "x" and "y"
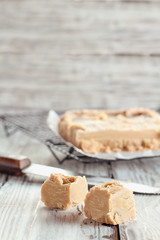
{"x": 20, "y": 165}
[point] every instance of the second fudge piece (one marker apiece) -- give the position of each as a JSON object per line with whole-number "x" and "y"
{"x": 60, "y": 191}
{"x": 110, "y": 203}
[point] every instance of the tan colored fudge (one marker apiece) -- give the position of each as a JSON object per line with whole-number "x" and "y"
{"x": 110, "y": 203}
{"x": 63, "y": 192}
{"x": 94, "y": 131}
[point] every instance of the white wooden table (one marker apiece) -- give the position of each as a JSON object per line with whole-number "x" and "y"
{"x": 24, "y": 216}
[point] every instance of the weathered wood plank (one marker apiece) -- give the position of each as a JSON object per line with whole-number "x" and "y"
{"x": 74, "y": 219}
{"x": 106, "y": 31}
{"x": 89, "y": 98}
{"x": 147, "y": 225}
{"x": 109, "y": 28}
{"x": 48, "y": 52}
{"x": 18, "y": 200}
{"x": 73, "y": 71}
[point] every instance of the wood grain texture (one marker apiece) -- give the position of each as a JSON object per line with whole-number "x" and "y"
{"x": 79, "y": 54}
{"x": 147, "y": 225}
{"x": 74, "y": 219}
{"x": 17, "y": 206}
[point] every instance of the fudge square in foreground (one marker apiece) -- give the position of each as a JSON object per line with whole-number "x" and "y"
{"x": 60, "y": 191}
{"x": 110, "y": 203}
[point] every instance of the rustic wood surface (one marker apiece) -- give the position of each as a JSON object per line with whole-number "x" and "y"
{"x": 76, "y": 54}
{"x": 97, "y": 54}
{"x": 26, "y": 217}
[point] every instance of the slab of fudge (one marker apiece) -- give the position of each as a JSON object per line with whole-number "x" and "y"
{"x": 95, "y": 131}
{"x": 60, "y": 191}
{"x": 110, "y": 203}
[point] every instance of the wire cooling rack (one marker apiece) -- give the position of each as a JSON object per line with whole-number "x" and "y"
{"x": 34, "y": 125}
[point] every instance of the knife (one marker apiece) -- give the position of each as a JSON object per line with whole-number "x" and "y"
{"x": 21, "y": 165}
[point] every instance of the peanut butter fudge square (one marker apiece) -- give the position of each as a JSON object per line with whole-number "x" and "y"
{"x": 60, "y": 191}
{"x": 110, "y": 203}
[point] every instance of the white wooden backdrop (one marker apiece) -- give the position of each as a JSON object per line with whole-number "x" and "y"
{"x": 78, "y": 54}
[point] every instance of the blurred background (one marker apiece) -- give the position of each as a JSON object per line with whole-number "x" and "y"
{"x": 69, "y": 54}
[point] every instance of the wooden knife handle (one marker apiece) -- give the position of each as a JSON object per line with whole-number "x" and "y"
{"x": 18, "y": 162}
